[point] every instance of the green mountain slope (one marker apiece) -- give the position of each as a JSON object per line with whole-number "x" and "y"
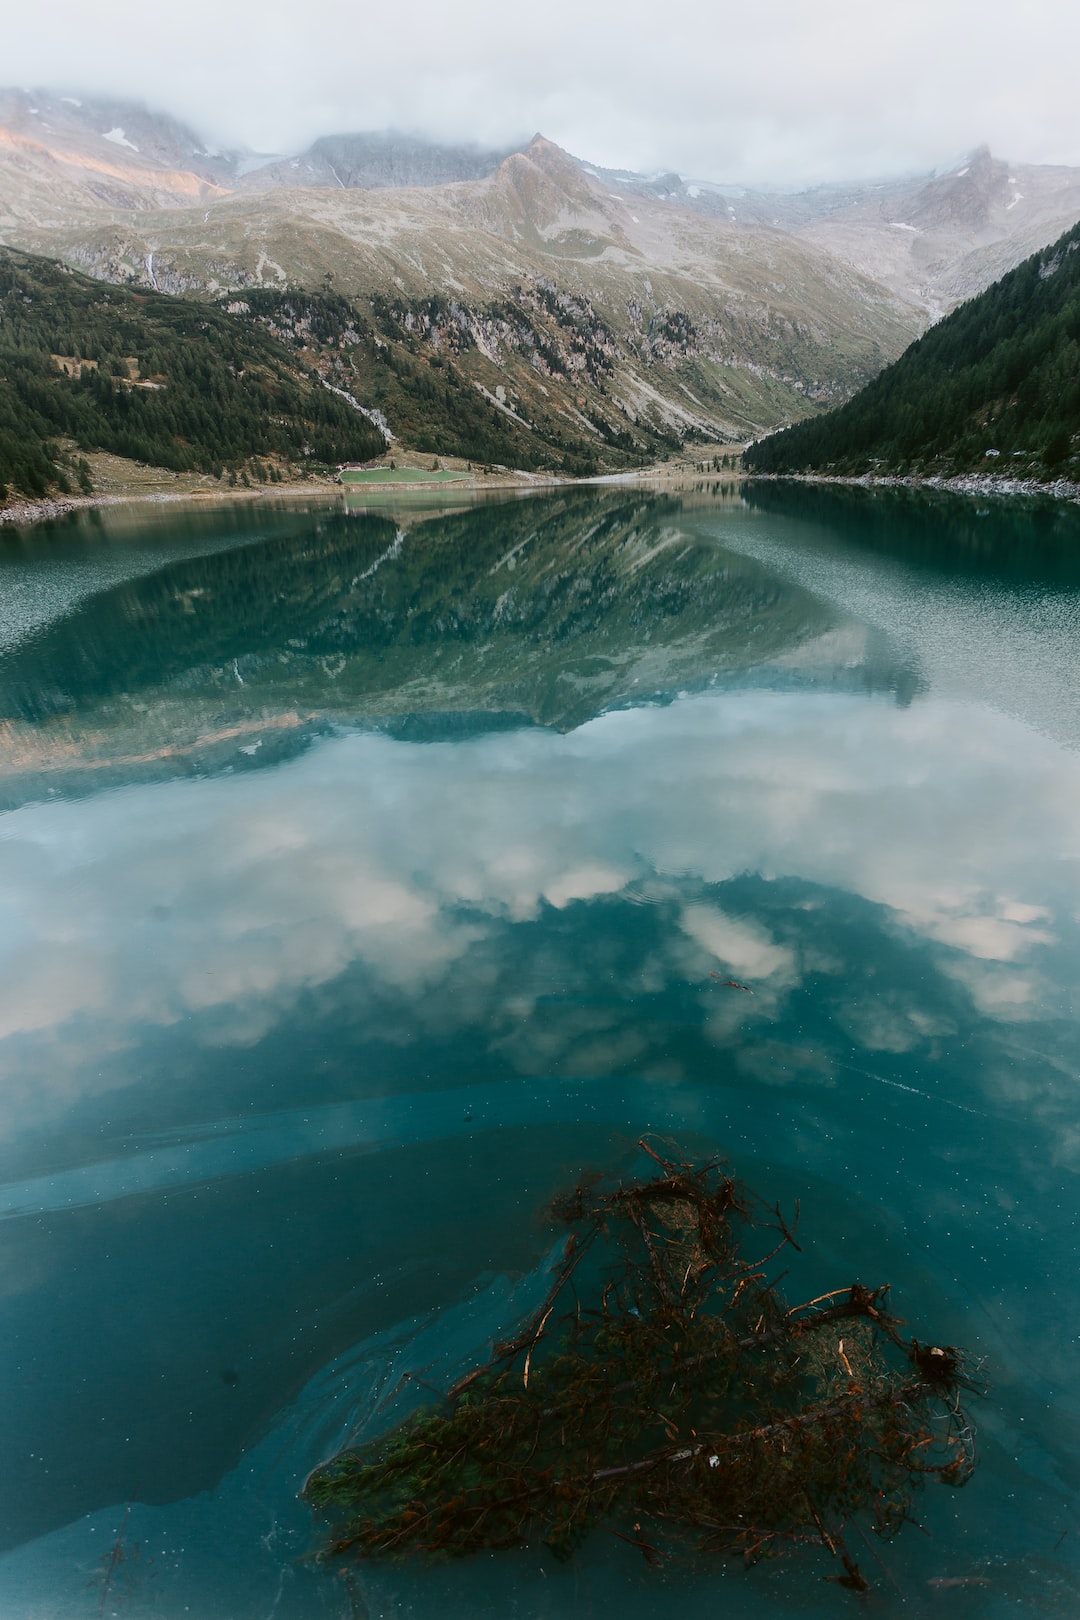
{"x": 994, "y": 387}
{"x": 157, "y": 379}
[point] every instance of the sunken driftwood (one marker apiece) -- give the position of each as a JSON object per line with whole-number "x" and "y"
{"x": 666, "y": 1391}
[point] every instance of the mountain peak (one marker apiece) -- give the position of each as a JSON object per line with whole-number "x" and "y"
{"x": 966, "y": 197}
{"x": 554, "y": 162}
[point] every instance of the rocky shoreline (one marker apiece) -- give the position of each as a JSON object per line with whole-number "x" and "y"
{"x": 26, "y": 512}
{"x": 1063, "y": 489}
{"x": 39, "y": 511}
{"x": 34, "y": 511}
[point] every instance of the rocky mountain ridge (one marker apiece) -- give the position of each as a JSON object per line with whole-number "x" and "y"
{"x": 934, "y": 239}
{"x": 375, "y": 161}
{"x": 121, "y": 153}
{"x": 581, "y": 306}
{"x": 567, "y": 306}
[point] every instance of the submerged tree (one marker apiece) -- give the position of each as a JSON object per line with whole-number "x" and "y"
{"x": 667, "y": 1391}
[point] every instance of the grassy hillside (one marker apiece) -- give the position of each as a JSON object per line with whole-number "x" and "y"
{"x": 153, "y": 378}
{"x": 995, "y": 387}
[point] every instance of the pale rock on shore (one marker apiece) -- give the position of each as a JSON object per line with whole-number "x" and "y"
{"x": 1063, "y": 489}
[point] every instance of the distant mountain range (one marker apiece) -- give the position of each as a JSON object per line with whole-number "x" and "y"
{"x": 593, "y": 317}
{"x": 933, "y": 238}
{"x": 129, "y": 155}
{"x": 993, "y": 388}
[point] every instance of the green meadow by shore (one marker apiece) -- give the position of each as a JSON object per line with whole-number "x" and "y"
{"x": 399, "y": 475}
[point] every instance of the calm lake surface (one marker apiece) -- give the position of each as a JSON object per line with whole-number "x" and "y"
{"x": 367, "y": 875}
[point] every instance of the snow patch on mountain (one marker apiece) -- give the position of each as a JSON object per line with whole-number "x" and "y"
{"x": 118, "y": 138}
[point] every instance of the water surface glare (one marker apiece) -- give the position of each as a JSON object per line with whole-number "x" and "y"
{"x": 366, "y": 875}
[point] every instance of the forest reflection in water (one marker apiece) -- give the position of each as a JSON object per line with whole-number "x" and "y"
{"x": 550, "y": 610}
{"x": 297, "y": 1045}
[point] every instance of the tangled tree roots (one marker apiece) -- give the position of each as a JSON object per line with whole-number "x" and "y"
{"x": 666, "y": 1391}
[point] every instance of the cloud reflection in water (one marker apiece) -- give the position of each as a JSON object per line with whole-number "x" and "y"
{"x": 219, "y": 903}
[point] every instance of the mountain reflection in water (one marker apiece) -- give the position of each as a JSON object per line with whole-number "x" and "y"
{"x": 296, "y": 1045}
{"x": 551, "y": 610}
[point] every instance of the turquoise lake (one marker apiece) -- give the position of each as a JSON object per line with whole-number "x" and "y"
{"x": 368, "y": 874}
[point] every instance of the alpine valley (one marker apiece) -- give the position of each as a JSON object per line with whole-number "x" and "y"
{"x": 513, "y": 307}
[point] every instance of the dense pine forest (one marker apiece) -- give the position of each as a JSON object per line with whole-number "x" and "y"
{"x": 166, "y": 381}
{"x": 994, "y": 387}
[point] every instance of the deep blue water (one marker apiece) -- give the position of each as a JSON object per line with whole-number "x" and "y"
{"x": 363, "y": 879}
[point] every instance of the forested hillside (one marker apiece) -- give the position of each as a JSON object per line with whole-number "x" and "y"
{"x": 157, "y": 379}
{"x": 993, "y": 387}
{"x": 415, "y": 363}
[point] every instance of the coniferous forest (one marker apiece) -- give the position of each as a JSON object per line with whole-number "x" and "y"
{"x": 994, "y": 387}
{"x": 160, "y": 380}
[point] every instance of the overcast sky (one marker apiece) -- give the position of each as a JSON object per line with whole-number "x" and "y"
{"x": 777, "y": 89}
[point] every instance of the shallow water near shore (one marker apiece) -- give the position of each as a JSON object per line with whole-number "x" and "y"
{"x": 368, "y": 875}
